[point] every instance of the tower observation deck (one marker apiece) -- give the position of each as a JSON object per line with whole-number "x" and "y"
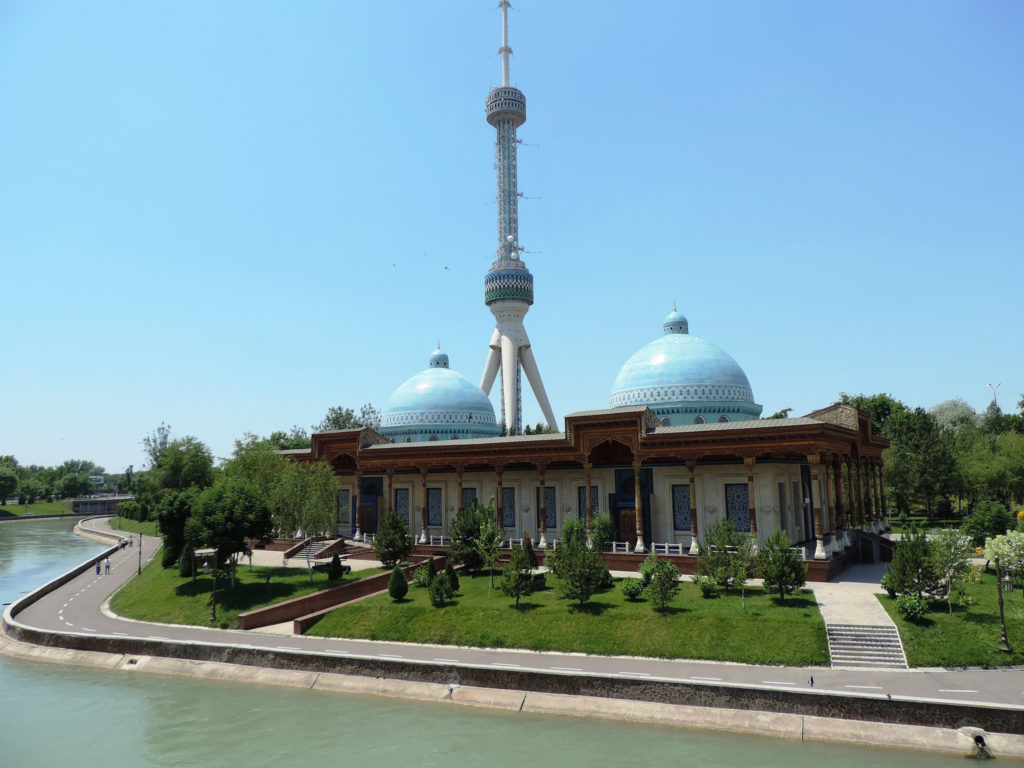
{"x": 508, "y": 286}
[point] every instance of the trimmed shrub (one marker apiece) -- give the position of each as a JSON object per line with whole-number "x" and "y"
{"x": 420, "y": 578}
{"x": 888, "y": 585}
{"x": 606, "y": 580}
{"x": 648, "y": 567}
{"x": 664, "y": 584}
{"x": 632, "y": 589}
{"x": 185, "y": 564}
{"x": 398, "y": 587}
{"x": 431, "y": 570}
{"x": 911, "y": 607}
{"x": 335, "y": 570}
{"x": 707, "y": 586}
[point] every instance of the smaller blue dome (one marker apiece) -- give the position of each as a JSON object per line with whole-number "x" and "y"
{"x": 675, "y": 322}
{"x": 438, "y": 404}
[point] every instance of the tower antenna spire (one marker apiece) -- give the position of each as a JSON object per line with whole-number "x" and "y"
{"x": 505, "y": 51}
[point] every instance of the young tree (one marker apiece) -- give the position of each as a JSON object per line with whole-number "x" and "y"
{"x": 780, "y": 566}
{"x": 398, "y": 585}
{"x": 989, "y": 519}
{"x": 452, "y": 576}
{"x": 228, "y": 512}
{"x": 910, "y": 571}
{"x": 488, "y": 546}
{"x": 335, "y": 571}
{"x": 948, "y": 553}
{"x": 664, "y": 584}
{"x": 516, "y": 579}
{"x": 440, "y": 592}
{"x": 172, "y": 514}
{"x": 716, "y": 556}
{"x": 392, "y": 542}
{"x": 578, "y": 568}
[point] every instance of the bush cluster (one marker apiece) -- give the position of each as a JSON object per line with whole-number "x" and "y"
{"x": 632, "y": 589}
{"x": 911, "y": 607}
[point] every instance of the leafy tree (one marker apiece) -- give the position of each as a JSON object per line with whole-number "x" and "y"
{"x": 910, "y": 572}
{"x": 392, "y": 542}
{"x": 954, "y": 415}
{"x": 29, "y": 490}
{"x": 173, "y": 512}
{"x": 182, "y": 464}
{"x": 345, "y": 418}
{"x": 488, "y": 546}
{"x": 578, "y": 568}
{"x": 989, "y": 519}
{"x": 8, "y": 483}
{"x": 227, "y": 513}
{"x": 156, "y": 442}
{"x": 647, "y": 568}
{"x": 1010, "y": 549}
{"x": 881, "y": 407}
{"x": 780, "y": 566}
{"x": 919, "y": 462}
{"x": 516, "y": 578}
{"x": 70, "y": 486}
{"x": 632, "y": 589}
{"x": 398, "y": 586}
{"x": 780, "y": 414}
{"x": 465, "y": 531}
{"x": 948, "y": 553}
{"x": 664, "y": 584}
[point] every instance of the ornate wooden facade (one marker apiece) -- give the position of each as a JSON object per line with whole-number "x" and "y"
{"x": 817, "y": 476}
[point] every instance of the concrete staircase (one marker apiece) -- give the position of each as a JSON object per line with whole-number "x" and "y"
{"x": 861, "y": 645}
{"x": 310, "y": 550}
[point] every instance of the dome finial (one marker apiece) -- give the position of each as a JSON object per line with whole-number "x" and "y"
{"x": 674, "y": 306}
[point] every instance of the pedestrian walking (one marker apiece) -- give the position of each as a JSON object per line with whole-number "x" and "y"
{"x": 106, "y": 566}
{"x": 97, "y": 567}
{"x": 130, "y": 540}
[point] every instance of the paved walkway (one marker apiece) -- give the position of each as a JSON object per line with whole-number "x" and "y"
{"x": 77, "y": 608}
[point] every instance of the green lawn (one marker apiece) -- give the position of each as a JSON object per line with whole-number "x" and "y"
{"x": 160, "y": 594}
{"x": 132, "y": 526}
{"x": 39, "y": 508}
{"x": 968, "y": 637}
{"x": 792, "y": 633}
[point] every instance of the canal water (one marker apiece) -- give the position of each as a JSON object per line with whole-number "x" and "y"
{"x": 53, "y": 715}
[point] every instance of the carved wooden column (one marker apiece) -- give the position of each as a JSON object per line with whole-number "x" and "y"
{"x": 589, "y": 495}
{"x": 360, "y": 534}
{"x": 543, "y": 509}
{"x": 638, "y": 503}
{"x": 879, "y": 497}
{"x": 851, "y": 497}
{"x": 881, "y": 487}
{"x": 837, "y": 467}
{"x": 749, "y": 463}
{"x": 389, "y": 476}
{"x": 869, "y": 494}
{"x": 499, "y": 470}
{"x": 423, "y": 509}
{"x": 458, "y": 479}
{"x": 860, "y": 495}
{"x": 691, "y": 467}
{"x": 830, "y": 509}
{"x": 819, "y": 536}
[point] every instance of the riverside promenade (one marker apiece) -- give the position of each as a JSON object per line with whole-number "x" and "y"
{"x": 71, "y": 623}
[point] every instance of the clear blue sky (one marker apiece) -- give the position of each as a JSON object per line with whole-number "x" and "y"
{"x": 229, "y": 216}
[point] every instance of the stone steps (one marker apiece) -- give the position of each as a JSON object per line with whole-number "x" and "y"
{"x": 853, "y": 645}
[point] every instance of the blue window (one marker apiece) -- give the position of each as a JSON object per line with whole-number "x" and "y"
{"x": 681, "y": 507}
{"x": 508, "y": 500}
{"x": 552, "y": 509}
{"x": 737, "y": 505}
{"x": 468, "y": 496}
{"x": 344, "y": 507}
{"x": 435, "y": 506}
{"x": 402, "y": 504}
{"x": 581, "y": 501}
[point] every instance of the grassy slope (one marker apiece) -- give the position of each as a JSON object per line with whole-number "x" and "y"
{"x": 39, "y": 508}
{"x": 768, "y": 633}
{"x": 132, "y": 526}
{"x": 162, "y": 595}
{"x": 968, "y": 637}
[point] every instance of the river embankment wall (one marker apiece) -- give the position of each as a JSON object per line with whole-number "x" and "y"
{"x": 819, "y": 716}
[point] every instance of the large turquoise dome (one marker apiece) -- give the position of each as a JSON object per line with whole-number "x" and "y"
{"x": 438, "y": 404}
{"x": 685, "y": 379}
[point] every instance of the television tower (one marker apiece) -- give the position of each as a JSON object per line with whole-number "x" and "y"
{"x": 508, "y": 286}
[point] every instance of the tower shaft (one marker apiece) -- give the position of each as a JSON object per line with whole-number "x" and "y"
{"x": 508, "y": 286}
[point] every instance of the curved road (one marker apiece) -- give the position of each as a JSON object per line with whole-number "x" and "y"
{"x": 76, "y": 608}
